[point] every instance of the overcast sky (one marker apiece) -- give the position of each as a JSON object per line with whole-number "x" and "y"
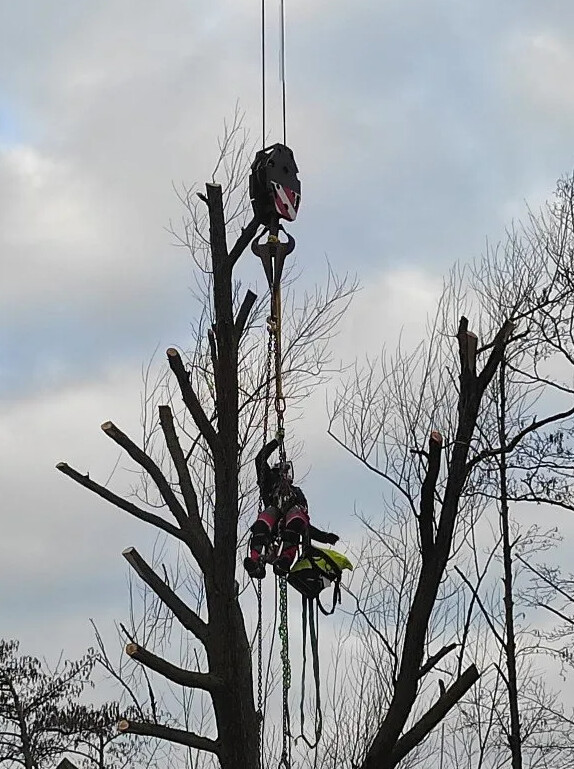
{"x": 420, "y": 127}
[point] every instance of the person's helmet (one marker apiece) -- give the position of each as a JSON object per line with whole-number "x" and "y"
{"x": 284, "y": 470}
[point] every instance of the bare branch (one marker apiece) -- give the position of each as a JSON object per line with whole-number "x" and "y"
{"x": 201, "y": 545}
{"x": 498, "y": 346}
{"x": 247, "y": 235}
{"x": 190, "y": 678}
{"x": 191, "y": 401}
{"x": 188, "y": 618}
{"x": 179, "y": 736}
{"x": 439, "y": 710}
{"x": 145, "y": 461}
{"x": 435, "y": 659}
{"x": 123, "y": 504}
{"x": 535, "y": 425}
{"x": 243, "y": 314}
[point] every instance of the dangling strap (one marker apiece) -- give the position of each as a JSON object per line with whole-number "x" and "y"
{"x": 314, "y": 637}
{"x": 308, "y": 617}
{"x": 336, "y": 598}
{"x": 304, "y": 664}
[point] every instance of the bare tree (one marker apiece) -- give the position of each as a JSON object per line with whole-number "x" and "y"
{"x": 521, "y": 297}
{"x": 191, "y": 468}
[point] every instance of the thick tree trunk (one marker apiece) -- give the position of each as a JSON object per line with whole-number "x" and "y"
{"x": 230, "y": 658}
{"x": 228, "y": 650}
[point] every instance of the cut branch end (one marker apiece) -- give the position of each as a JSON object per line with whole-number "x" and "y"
{"x": 436, "y": 437}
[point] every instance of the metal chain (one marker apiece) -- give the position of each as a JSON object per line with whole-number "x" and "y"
{"x": 268, "y": 370}
{"x": 259, "y": 582}
{"x": 275, "y": 330}
{"x": 285, "y": 762}
{"x": 279, "y": 406}
{"x": 286, "y": 669}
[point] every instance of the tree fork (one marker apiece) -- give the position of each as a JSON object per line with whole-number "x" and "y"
{"x": 472, "y": 388}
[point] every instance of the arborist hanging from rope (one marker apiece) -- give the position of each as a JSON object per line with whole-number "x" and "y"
{"x": 285, "y": 516}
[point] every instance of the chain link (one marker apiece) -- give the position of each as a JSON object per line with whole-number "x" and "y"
{"x": 268, "y": 370}
{"x": 279, "y": 400}
{"x": 286, "y": 670}
{"x": 285, "y": 762}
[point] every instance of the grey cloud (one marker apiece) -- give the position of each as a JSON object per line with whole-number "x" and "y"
{"x": 416, "y": 132}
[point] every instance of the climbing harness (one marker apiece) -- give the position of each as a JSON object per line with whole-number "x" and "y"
{"x": 317, "y": 569}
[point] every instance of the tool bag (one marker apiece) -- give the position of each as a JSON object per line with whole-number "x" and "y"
{"x": 316, "y": 570}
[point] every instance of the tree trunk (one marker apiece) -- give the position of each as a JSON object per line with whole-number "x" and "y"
{"x": 514, "y": 737}
{"x": 230, "y": 658}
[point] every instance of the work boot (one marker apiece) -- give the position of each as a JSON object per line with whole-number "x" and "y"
{"x": 255, "y": 568}
{"x": 260, "y": 535}
{"x": 282, "y": 566}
